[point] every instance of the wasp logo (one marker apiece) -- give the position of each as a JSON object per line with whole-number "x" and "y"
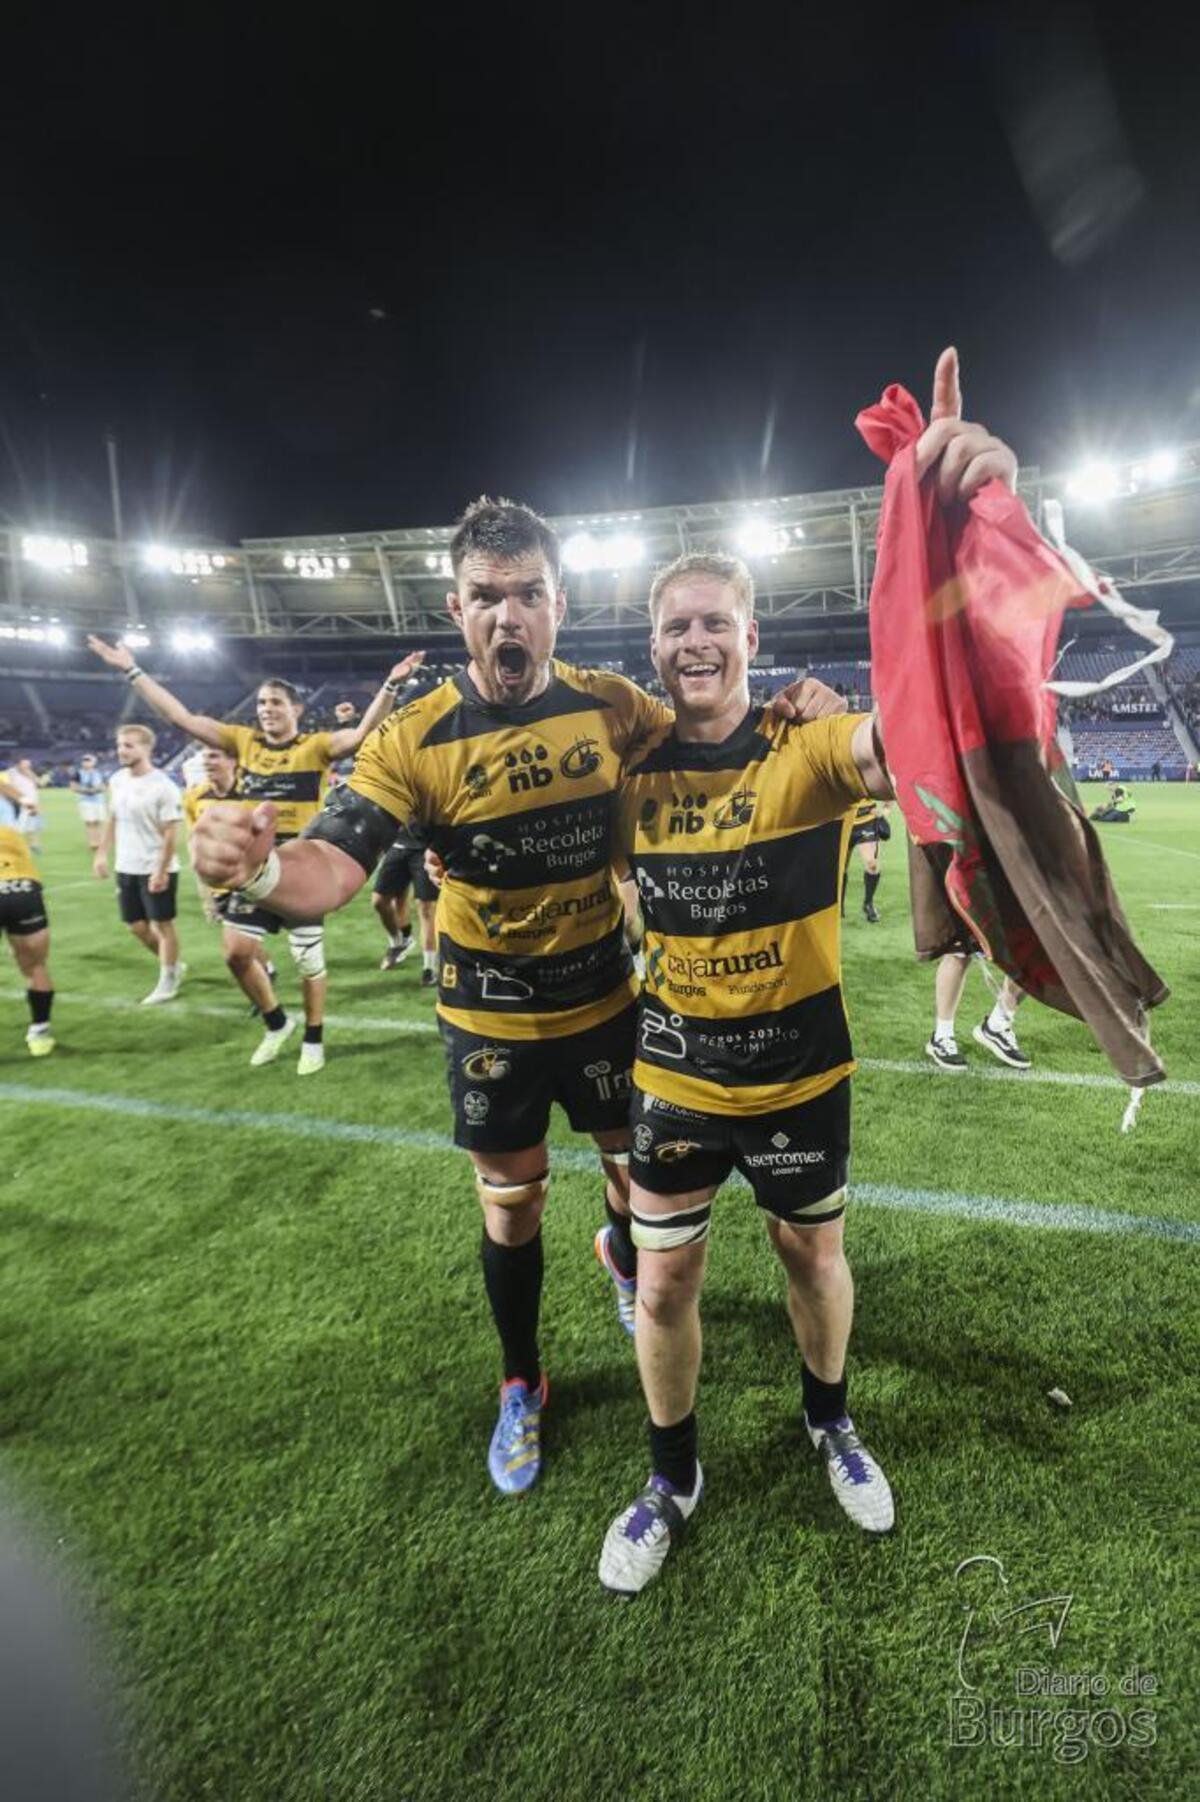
{"x": 491, "y": 1063}
{"x": 527, "y": 769}
{"x": 581, "y": 759}
{"x": 673, "y": 1151}
{"x": 477, "y": 782}
{"x": 688, "y": 814}
{"x": 737, "y": 811}
{"x": 648, "y": 810}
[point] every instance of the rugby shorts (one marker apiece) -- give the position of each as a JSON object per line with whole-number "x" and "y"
{"x": 400, "y": 870}
{"x": 136, "y": 903}
{"x": 22, "y": 908}
{"x": 501, "y": 1091}
{"x": 796, "y": 1159}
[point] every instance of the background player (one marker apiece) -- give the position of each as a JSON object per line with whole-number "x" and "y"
{"x": 22, "y": 779}
{"x": 23, "y": 919}
{"x": 995, "y": 1031}
{"x": 279, "y": 763}
{"x": 244, "y": 954}
{"x": 401, "y": 870}
{"x": 869, "y": 828}
{"x": 88, "y": 784}
{"x": 143, "y": 827}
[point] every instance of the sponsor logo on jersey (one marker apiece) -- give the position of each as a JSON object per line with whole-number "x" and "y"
{"x": 476, "y": 1106}
{"x": 581, "y": 759}
{"x": 687, "y": 813}
{"x": 673, "y": 1151}
{"x": 643, "y": 1139}
{"x": 490, "y": 852}
{"x": 527, "y": 769}
{"x": 542, "y": 918}
{"x": 719, "y": 969}
{"x": 783, "y": 1160}
{"x": 492, "y": 917}
{"x": 491, "y": 1063}
{"x": 477, "y": 782}
{"x": 608, "y": 1082}
{"x": 737, "y": 811}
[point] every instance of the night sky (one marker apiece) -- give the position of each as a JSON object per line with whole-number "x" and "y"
{"x": 349, "y": 275}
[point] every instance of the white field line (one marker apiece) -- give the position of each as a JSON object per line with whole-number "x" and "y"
{"x": 983, "y": 1209}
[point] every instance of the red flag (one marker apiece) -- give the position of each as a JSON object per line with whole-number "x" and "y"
{"x": 966, "y": 607}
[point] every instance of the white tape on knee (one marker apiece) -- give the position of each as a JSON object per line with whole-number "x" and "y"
{"x": 513, "y": 1195}
{"x": 666, "y": 1232}
{"x": 307, "y": 946}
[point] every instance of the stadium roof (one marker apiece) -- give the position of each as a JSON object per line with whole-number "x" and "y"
{"x": 811, "y": 554}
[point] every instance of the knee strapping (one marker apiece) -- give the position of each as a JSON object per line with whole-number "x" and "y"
{"x": 513, "y": 1195}
{"x": 665, "y": 1232}
{"x": 307, "y": 946}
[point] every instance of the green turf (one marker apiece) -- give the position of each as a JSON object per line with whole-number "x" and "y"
{"x": 246, "y": 1378}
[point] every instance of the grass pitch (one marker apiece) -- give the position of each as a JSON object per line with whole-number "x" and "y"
{"x": 247, "y": 1380}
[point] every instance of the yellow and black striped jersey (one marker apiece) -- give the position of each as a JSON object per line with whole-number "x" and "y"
{"x": 16, "y": 859}
{"x": 518, "y": 804}
{"x": 862, "y": 813}
{"x": 200, "y": 796}
{"x": 293, "y": 775}
{"x": 738, "y": 849}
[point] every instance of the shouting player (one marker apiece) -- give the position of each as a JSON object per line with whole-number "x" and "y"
{"x": 508, "y": 771}
{"x": 278, "y": 763}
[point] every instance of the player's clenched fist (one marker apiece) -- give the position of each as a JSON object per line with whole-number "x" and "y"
{"x": 231, "y": 843}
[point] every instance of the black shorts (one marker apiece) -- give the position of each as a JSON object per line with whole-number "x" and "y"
{"x": 137, "y": 903}
{"x": 870, "y": 833}
{"x": 795, "y": 1159}
{"x": 400, "y": 870}
{"x": 22, "y": 909}
{"x": 502, "y": 1091}
{"x": 245, "y": 917}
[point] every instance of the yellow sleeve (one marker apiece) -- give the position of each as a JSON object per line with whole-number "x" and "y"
{"x": 235, "y": 739}
{"x": 190, "y": 808}
{"x": 640, "y": 716}
{"x": 833, "y": 782}
{"x": 323, "y": 746}
{"x": 383, "y": 770}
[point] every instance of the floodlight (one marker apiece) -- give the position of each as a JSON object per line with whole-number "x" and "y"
{"x": 343, "y": 562}
{"x": 55, "y": 635}
{"x": 135, "y": 640}
{"x": 755, "y": 538}
{"x": 1162, "y": 466}
{"x": 158, "y": 556}
{"x": 1094, "y": 485}
{"x": 624, "y": 550}
{"x": 581, "y": 552}
{"x": 54, "y": 553}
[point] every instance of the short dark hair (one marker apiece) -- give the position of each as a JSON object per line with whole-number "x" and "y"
{"x": 505, "y": 529}
{"x": 289, "y": 689}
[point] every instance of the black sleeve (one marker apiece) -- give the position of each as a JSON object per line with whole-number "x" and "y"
{"x": 360, "y": 828}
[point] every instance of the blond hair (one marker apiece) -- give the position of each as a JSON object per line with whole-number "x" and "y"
{"x": 145, "y": 733}
{"x": 721, "y": 568}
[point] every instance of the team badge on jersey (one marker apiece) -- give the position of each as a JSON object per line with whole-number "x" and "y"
{"x": 491, "y": 1063}
{"x": 581, "y": 759}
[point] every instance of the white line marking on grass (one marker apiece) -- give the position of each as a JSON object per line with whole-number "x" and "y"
{"x": 1152, "y": 844}
{"x": 221, "y": 1011}
{"x": 1069, "y": 1079}
{"x": 1054, "y": 1216}
{"x": 1174, "y": 907}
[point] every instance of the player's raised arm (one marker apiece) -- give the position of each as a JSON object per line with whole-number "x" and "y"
{"x": 345, "y": 742}
{"x": 164, "y": 703}
{"x": 306, "y": 878}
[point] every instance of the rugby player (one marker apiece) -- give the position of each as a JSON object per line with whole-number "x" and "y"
{"x": 401, "y": 870}
{"x": 732, "y": 822}
{"x": 869, "y": 828}
{"x": 508, "y": 771}
{"x": 244, "y": 955}
{"x": 278, "y": 763}
{"x": 88, "y": 784}
{"x": 23, "y": 918}
{"x": 23, "y": 778}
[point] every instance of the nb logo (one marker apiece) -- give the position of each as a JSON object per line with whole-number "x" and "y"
{"x": 527, "y": 770}
{"x": 687, "y": 813}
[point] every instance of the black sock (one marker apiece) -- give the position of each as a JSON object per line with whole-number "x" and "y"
{"x": 620, "y": 1243}
{"x": 823, "y": 1402}
{"x": 40, "y": 1002}
{"x": 870, "y": 884}
{"x": 512, "y": 1276}
{"x": 276, "y": 1020}
{"x": 313, "y": 1035}
{"x": 673, "y": 1452}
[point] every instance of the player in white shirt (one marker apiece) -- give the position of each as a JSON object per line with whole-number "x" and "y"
{"x": 143, "y": 825}
{"x": 88, "y": 784}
